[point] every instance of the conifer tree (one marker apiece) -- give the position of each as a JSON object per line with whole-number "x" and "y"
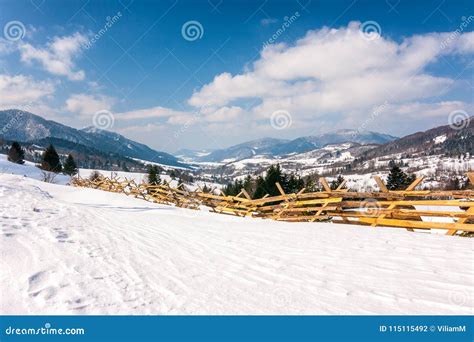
{"x": 311, "y": 185}
{"x": 292, "y": 184}
{"x": 248, "y": 184}
{"x": 16, "y": 153}
{"x": 153, "y": 176}
{"x": 260, "y": 188}
{"x": 50, "y": 160}
{"x": 338, "y": 181}
{"x": 397, "y": 179}
{"x": 70, "y": 167}
{"x": 274, "y": 174}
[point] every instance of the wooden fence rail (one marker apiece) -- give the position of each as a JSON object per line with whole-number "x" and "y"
{"x": 410, "y": 208}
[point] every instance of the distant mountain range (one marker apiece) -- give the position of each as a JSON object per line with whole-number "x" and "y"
{"x": 342, "y": 149}
{"x": 281, "y": 147}
{"x": 27, "y": 127}
{"x": 444, "y": 145}
{"x": 441, "y": 140}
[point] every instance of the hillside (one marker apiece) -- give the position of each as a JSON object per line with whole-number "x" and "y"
{"x": 27, "y": 127}
{"x": 437, "y": 154}
{"x": 442, "y": 140}
{"x": 86, "y": 251}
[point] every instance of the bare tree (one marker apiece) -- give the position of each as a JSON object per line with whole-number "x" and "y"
{"x": 48, "y": 177}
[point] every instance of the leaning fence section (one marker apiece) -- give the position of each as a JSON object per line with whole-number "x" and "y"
{"x": 412, "y": 209}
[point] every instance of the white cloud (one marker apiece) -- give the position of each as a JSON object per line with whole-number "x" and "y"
{"x": 150, "y": 113}
{"x": 176, "y": 117}
{"x": 85, "y": 104}
{"x": 57, "y": 57}
{"x": 223, "y": 114}
{"x": 6, "y": 46}
{"x": 336, "y": 72}
{"x": 184, "y": 119}
{"x": 22, "y": 91}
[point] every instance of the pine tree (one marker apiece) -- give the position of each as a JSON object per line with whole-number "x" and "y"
{"x": 233, "y": 189}
{"x": 274, "y": 175}
{"x": 260, "y": 188}
{"x": 16, "y": 154}
{"x": 50, "y": 160}
{"x": 153, "y": 176}
{"x": 248, "y": 184}
{"x": 70, "y": 167}
{"x": 311, "y": 185}
{"x": 397, "y": 179}
{"x": 338, "y": 181}
{"x": 293, "y": 183}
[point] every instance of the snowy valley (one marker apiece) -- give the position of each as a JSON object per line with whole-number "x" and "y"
{"x": 68, "y": 250}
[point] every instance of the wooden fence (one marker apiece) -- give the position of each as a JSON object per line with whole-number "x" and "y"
{"x": 411, "y": 209}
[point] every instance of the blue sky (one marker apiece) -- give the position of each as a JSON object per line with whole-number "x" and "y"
{"x": 254, "y": 69}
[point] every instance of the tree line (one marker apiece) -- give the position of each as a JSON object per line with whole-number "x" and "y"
{"x": 257, "y": 187}
{"x": 50, "y": 160}
{"x": 260, "y": 186}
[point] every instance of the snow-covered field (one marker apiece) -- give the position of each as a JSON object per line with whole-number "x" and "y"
{"x": 67, "y": 250}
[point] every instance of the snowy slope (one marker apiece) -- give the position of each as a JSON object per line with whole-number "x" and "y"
{"x": 28, "y": 170}
{"x": 69, "y": 250}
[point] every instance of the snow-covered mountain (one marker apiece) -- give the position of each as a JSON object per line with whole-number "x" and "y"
{"x": 189, "y": 155}
{"x": 272, "y": 147}
{"x": 300, "y": 163}
{"x": 439, "y": 140}
{"x": 244, "y": 150}
{"x": 27, "y": 127}
{"x": 437, "y": 153}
